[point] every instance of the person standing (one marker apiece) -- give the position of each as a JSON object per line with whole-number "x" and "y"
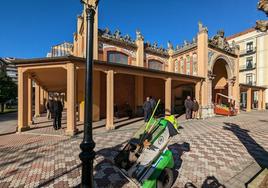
{"x": 188, "y": 104}
{"x": 57, "y": 109}
{"x": 195, "y": 109}
{"x": 49, "y": 108}
{"x": 152, "y": 102}
{"x": 147, "y": 108}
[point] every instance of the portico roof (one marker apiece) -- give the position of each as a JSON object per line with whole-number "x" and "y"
{"x": 246, "y": 86}
{"x": 104, "y": 66}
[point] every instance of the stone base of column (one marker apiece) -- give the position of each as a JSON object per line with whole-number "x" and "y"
{"x": 109, "y": 128}
{"x": 206, "y": 112}
{"x": 36, "y": 115}
{"x": 21, "y": 129}
{"x": 71, "y": 132}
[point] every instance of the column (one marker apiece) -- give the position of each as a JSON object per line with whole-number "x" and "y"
{"x": 42, "y": 107}
{"x": 140, "y": 49}
{"x": 30, "y": 101}
{"x": 138, "y": 94}
{"x": 82, "y": 111}
{"x": 110, "y": 100}
{"x": 168, "y": 84}
{"x": 198, "y": 92}
{"x": 249, "y": 100}
{"x": 37, "y": 100}
{"x": 71, "y": 100}
{"x": 22, "y": 100}
{"x": 263, "y": 99}
{"x": 260, "y": 99}
{"x": 96, "y": 96}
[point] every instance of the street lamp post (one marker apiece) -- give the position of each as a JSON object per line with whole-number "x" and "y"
{"x": 87, "y": 154}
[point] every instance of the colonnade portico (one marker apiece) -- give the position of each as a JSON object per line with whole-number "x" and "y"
{"x": 68, "y": 75}
{"x": 249, "y": 89}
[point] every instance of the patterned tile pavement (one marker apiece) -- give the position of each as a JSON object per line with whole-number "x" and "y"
{"x": 228, "y": 150}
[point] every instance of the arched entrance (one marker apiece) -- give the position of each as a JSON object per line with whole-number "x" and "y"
{"x": 221, "y": 73}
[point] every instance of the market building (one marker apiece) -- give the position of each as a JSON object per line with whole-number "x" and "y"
{"x": 128, "y": 70}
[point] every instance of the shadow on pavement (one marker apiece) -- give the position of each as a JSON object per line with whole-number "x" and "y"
{"x": 209, "y": 182}
{"x": 254, "y": 149}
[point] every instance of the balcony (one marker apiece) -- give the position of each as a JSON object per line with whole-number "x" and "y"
{"x": 247, "y": 67}
{"x": 248, "y": 51}
{"x": 252, "y": 83}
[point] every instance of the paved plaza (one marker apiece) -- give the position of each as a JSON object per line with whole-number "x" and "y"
{"x": 226, "y": 150}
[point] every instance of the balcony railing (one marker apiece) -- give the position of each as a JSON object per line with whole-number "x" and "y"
{"x": 248, "y": 51}
{"x": 253, "y": 83}
{"x": 247, "y": 67}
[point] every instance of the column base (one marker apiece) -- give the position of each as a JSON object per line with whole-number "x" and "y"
{"x": 207, "y": 111}
{"x": 36, "y": 115}
{"x": 21, "y": 129}
{"x": 110, "y": 128}
{"x": 71, "y": 132}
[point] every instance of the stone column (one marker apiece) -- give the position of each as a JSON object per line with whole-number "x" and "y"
{"x": 140, "y": 50}
{"x": 42, "y": 107}
{"x": 82, "y": 111}
{"x": 30, "y": 101}
{"x": 168, "y": 91}
{"x": 71, "y": 99}
{"x": 96, "y": 96}
{"x": 138, "y": 94}
{"x": 22, "y": 100}
{"x": 170, "y": 60}
{"x": 263, "y": 99}
{"x": 249, "y": 99}
{"x": 110, "y": 100}
{"x": 260, "y": 98}
{"x": 37, "y": 100}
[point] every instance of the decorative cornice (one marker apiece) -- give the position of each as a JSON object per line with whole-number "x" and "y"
{"x": 186, "y": 46}
{"x": 116, "y": 38}
{"x": 153, "y": 48}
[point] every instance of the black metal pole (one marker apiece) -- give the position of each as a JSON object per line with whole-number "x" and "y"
{"x": 87, "y": 155}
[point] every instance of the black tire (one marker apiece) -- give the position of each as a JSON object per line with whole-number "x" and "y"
{"x": 165, "y": 180}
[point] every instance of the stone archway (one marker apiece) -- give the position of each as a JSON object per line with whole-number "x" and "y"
{"x": 222, "y": 75}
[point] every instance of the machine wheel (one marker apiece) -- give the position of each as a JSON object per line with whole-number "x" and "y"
{"x": 165, "y": 180}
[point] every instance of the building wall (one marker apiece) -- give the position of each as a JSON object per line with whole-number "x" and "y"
{"x": 260, "y": 58}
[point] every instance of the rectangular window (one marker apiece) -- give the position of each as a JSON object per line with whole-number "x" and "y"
{"x": 249, "y": 79}
{"x": 249, "y": 62}
{"x": 249, "y": 46}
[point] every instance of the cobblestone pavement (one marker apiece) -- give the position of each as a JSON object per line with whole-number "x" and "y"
{"x": 228, "y": 150}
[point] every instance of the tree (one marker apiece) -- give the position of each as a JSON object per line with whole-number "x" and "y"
{"x": 8, "y": 89}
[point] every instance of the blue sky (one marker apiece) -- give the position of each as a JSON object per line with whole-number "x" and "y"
{"x": 30, "y": 27}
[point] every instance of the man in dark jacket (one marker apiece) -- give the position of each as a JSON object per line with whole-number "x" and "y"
{"x": 49, "y": 108}
{"x": 188, "y": 104}
{"x": 57, "y": 109}
{"x": 147, "y": 109}
{"x": 152, "y": 102}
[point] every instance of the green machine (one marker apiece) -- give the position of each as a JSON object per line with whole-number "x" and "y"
{"x": 146, "y": 160}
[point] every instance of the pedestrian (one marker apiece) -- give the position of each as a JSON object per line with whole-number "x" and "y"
{"x": 195, "y": 109}
{"x": 57, "y": 109}
{"x": 147, "y": 108}
{"x": 49, "y": 107}
{"x": 188, "y": 104}
{"x": 152, "y": 102}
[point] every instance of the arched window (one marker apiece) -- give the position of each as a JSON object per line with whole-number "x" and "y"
{"x": 188, "y": 65}
{"x": 194, "y": 64}
{"x": 117, "y": 57}
{"x": 176, "y": 66}
{"x": 154, "y": 64}
{"x": 182, "y": 65}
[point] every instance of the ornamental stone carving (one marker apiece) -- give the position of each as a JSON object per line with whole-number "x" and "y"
{"x": 219, "y": 41}
{"x": 201, "y": 28}
{"x": 263, "y": 6}
{"x": 139, "y": 35}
